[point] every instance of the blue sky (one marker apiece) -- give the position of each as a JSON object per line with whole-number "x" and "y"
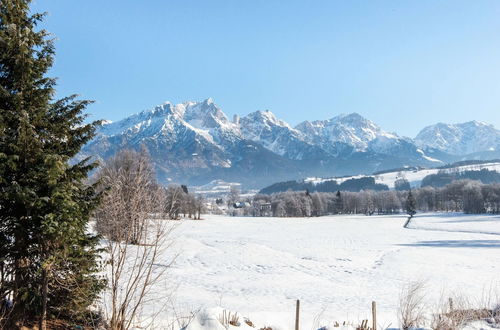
{"x": 402, "y": 64}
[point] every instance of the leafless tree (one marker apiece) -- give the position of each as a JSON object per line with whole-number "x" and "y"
{"x": 130, "y": 219}
{"x": 130, "y": 195}
{"x": 199, "y": 206}
{"x": 174, "y": 201}
{"x": 234, "y": 195}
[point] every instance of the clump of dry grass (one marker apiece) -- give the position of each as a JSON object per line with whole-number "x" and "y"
{"x": 454, "y": 313}
{"x": 227, "y": 318}
{"x": 451, "y": 314}
{"x": 411, "y": 312}
{"x": 235, "y": 320}
{"x": 249, "y": 323}
{"x": 363, "y": 326}
{"x": 496, "y": 313}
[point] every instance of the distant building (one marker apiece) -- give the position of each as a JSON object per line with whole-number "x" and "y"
{"x": 266, "y": 210}
{"x": 240, "y": 205}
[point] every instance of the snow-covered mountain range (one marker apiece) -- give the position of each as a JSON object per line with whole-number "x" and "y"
{"x": 460, "y": 139}
{"x": 195, "y": 142}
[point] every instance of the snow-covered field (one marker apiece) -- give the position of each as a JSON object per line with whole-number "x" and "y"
{"x": 335, "y": 265}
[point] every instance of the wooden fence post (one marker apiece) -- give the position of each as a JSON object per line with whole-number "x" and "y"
{"x": 374, "y": 315}
{"x": 297, "y": 311}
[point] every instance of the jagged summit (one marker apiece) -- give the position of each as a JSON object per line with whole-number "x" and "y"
{"x": 195, "y": 142}
{"x": 350, "y": 129}
{"x": 265, "y": 118}
{"x": 459, "y": 139}
{"x": 276, "y": 135}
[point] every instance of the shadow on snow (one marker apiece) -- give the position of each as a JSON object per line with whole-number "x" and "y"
{"x": 477, "y": 243}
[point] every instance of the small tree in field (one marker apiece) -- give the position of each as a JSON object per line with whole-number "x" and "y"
{"x": 234, "y": 195}
{"x": 410, "y": 207}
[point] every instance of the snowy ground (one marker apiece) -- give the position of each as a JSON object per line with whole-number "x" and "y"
{"x": 414, "y": 177}
{"x": 335, "y": 265}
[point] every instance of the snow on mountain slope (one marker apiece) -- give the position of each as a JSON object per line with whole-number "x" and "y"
{"x": 351, "y": 129}
{"x": 460, "y": 139}
{"x": 195, "y": 142}
{"x": 207, "y": 116}
{"x": 276, "y": 135}
{"x": 414, "y": 176}
{"x": 183, "y": 140}
{"x": 167, "y": 121}
{"x": 339, "y": 136}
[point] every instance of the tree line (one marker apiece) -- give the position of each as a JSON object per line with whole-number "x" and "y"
{"x": 466, "y": 196}
{"x": 442, "y": 178}
{"x": 354, "y": 184}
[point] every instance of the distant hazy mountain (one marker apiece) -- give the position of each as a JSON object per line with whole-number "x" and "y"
{"x": 195, "y": 143}
{"x": 460, "y": 139}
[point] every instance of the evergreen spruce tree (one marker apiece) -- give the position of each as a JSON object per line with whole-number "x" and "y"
{"x": 338, "y": 202}
{"x": 410, "y": 204}
{"x": 410, "y": 207}
{"x": 48, "y": 261}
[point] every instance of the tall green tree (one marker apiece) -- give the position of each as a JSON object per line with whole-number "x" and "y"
{"x": 410, "y": 204}
{"x": 48, "y": 260}
{"x": 410, "y": 207}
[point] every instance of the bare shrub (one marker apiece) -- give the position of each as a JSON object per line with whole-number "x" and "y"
{"x": 461, "y": 311}
{"x": 446, "y": 316}
{"x": 411, "y": 311}
{"x": 454, "y": 313}
{"x": 133, "y": 271}
{"x": 316, "y": 324}
{"x": 490, "y": 302}
{"x": 130, "y": 220}
{"x": 185, "y": 319}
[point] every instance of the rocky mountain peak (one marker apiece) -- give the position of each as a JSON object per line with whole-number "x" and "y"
{"x": 195, "y": 141}
{"x": 459, "y": 139}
